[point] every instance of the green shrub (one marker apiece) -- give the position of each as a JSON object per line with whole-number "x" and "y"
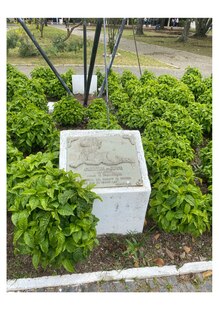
{"x": 202, "y": 114}
{"x": 13, "y": 154}
{"x": 59, "y": 44}
{"x": 176, "y": 203}
{"x": 180, "y": 94}
{"x": 96, "y": 108}
{"x": 143, "y": 93}
{"x": 168, "y": 80}
{"x": 33, "y": 91}
{"x": 156, "y": 106}
{"x": 51, "y": 85}
{"x": 147, "y": 77}
{"x": 101, "y": 122}
{"x": 206, "y": 162}
{"x": 27, "y": 48}
{"x": 206, "y": 97}
{"x": 30, "y": 129}
{"x": 68, "y": 111}
{"x": 12, "y": 40}
{"x": 183, "y": 124}
{"x": 159, "y": 140}
{"x": 118, "y": 97}
{"x": 133, "y": 117}
{"x": 52, "y": 213}
{"x": 128, "y": 76}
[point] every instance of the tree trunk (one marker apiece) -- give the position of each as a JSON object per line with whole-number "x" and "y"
{"x": 202, "y": 26}
{"x": 162, "y": 22}
{"x": 70, "y": 29}
{"x": 185, "y": 33}
{"x": 139, "y": 29}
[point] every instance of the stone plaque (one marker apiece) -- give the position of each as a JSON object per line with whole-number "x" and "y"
{"x": 105, "y": 161}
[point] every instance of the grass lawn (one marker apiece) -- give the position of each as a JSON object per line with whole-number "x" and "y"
{"x": 124, "y": 58}
{"x": 169, "y": 39}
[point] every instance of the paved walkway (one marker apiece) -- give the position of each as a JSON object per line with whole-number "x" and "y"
{"x": 179, "y": 60}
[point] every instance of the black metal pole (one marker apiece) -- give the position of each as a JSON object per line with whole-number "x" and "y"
{"x": 85, "y": 53}
{"x": 113, "y": 55}
{"x": 44, "y": 55}
{"x": 93, "y": 57}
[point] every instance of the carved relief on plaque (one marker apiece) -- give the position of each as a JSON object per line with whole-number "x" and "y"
{"x": 107, "y": 162}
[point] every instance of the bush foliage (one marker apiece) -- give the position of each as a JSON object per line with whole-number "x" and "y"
{"x": 51, "y": 209}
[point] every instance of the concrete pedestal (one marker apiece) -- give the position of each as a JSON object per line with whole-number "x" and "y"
{"x": 121, "y": 175}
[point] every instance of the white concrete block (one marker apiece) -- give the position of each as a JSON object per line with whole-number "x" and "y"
{"x": 50, "y": 106}
{"x": 114, "y": 160}
{"x": 78, "y": 84}
{"x": 195, "y": 267}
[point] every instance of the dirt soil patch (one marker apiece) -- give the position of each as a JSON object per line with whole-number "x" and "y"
{"x": 153, "y": 247}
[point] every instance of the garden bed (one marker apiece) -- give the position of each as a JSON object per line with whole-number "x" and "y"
{"x": 151, "y": 248}
{"x": 51, "y": 209}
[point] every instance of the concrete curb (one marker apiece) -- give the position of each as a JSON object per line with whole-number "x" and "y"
{"x": 114, "y": 275}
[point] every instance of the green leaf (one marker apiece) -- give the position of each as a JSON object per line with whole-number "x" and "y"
{"x": 17, "y": 234}
{"x": 68, "y": 265}
{"x": 36, "y": 259}
{"x": 22, "y": 221}
{"x": 77, "y": 236}
{"x": 34, "y": 202}
{"x": 44, "y": 245}
{"x": 65, "y": 210}
{"x": 187, "y": 208}
{"x": 61, "y": 240}
{"x": 170, "y": 215}
{"x": 70, "y": 245}
{"x": 64, "y": 197}
{"x": 29, "y": 192}
{"x": 190, "y": 200}
{"x": 28, "y": 239}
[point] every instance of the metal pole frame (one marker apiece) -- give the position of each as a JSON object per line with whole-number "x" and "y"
{"x": 85, "y": 53}
{"x": 43, "y": 54}
{"x": 116, "y": 45}
{"x": 93, "y": 57}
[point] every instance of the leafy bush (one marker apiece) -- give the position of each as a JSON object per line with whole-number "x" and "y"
{"x": 206, "y": 97}
{"x": 168, "y": 80}
{"x": 68, "y": 111}
{"x": 13, "y": 154}
{"x": 183, "y": 124}
{"x": 206, "y": 162}
{"x": 96, "y": 108}
{"x": 132, "y": 117}
{"x": 156, "y": 106}
{"x": 59, "y": 44}
{"x": 202, "y": 114}
{"x": 34, "y": 92}
{"x": 27, "y": 48}
{"x": 51, "y": 212}
{"x": 118, "y": 97}
{"x": 12, "y": 40}
{"x": 176, "y": 203}
{"x": 147, "y": 76}
{"x": 159, "y": 140}
{"x": 101, "y": 122}
{"x": 50, "y": 83}
{"x": 30, "y": 129}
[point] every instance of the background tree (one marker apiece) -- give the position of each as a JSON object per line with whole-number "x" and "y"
{"x": 139, "y": 26}
{"x": 185, "y": 33}
{"x": 70, "y": 27}
{"x": 202, "y": 26}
